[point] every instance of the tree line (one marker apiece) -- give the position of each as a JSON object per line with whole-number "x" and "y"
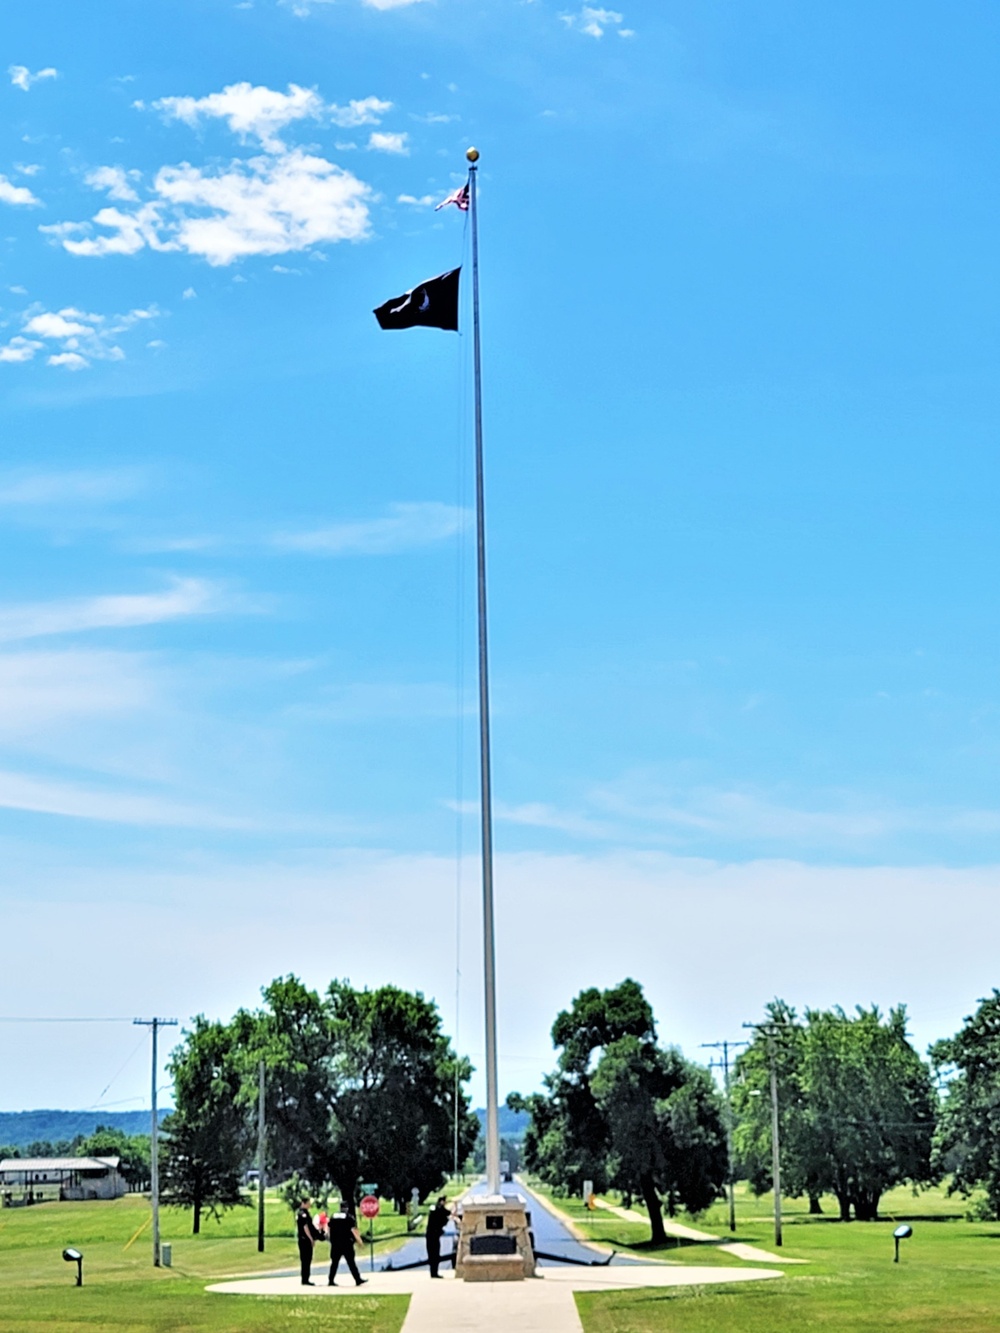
{"x": 360, "y": 1086}
{"x": 860, "y": 1111}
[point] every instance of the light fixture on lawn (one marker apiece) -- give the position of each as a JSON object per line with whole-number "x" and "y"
{"x": 75, "y": 1257}
{"x": 899, "y": 1234}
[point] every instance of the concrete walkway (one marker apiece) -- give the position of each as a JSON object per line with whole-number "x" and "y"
{"x": 541, "y": 1305}
{"x": 749, "y": 1253}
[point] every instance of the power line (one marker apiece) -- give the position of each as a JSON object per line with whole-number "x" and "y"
{"x": 21, "y": 1018}
{"x": 725, "y": 1047}
{"x": 141, "y": 1042}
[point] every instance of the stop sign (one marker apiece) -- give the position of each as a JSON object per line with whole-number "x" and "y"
{"x": 369, "y": 1206}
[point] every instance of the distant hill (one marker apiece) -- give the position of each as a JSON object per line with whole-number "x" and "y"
{"x": 512, "y": 1123}
{"x": 19, "y": 1128}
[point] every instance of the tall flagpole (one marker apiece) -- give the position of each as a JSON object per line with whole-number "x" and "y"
{"x": 486, "y": 798}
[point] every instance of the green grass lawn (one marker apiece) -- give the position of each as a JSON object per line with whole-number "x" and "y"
{"x": 948, "y": 1278}
{"x": 122, "y": 1290}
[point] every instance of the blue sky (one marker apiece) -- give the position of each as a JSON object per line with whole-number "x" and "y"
{"x": 740, "y": 283}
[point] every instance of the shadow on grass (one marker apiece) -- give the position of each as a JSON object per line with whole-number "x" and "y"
{"x": 674, "y": 1243}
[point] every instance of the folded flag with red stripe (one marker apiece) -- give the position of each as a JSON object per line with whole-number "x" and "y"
{"x": 459, "y": 197}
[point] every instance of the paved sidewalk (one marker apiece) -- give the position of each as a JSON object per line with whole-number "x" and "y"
{"x": 540, "y": 1305}
{"x": 749, "y": 1253}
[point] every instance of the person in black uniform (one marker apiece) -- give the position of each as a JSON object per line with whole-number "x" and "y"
{"x": 343, "y": 1232}
{"x": 307, "y": 1234}
{"x": 437, "y": 1219}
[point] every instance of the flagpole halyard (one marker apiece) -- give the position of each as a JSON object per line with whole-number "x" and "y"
{"x": 486, "y": 795}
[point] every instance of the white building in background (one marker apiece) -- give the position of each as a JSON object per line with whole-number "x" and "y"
{"x": 42, "y": 1179}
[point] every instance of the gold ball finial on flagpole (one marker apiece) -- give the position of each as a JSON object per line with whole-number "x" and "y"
{"x": 472, "y": 154}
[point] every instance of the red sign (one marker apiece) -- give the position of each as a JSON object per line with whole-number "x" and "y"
{"x": 369, "y": 1206}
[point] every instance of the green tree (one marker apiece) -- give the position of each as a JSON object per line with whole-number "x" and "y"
{"x": 53, "y": 1147}
{"x": 967, "y": 1144}
{"x": 751, "y": 1094}
{"x": 666, "y": 1133}
{"x": 360, "y": 1085}
{"x": 208, "y": 1138}
{"x": 858, "y": 1106}
{"x": 133, "y": 1149}
{"x": 621, "y": 1111}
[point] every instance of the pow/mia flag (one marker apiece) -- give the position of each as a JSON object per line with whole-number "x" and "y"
{"x": 432, "y": 305}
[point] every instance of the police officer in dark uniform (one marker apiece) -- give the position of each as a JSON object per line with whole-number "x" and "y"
{"x": 437, "y": 1219}
{"x": 307, "y": 1235}
{"x": 343, "y": 1232}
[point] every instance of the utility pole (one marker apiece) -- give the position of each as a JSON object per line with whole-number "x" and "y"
{"x": 261, "y": 1156}
{"x": 768, "y": 1030}
{"x": 725, "y": 1047}
{"x": 154, "y": 1024}
{"x": 775, "y": 1145}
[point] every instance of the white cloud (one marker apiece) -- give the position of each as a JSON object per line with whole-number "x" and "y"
{"x": 22, "y": 77}
{"x": 51, "y": 325}
{"x": 33, "y": 620}
{"x": 613, "y": 916}
{"x": 282, "y": 201}
{"x": 173, "y": 545}
{"x": 363, "y": 111}
{"x": 406, "y": 527}
{"x": 70, "y": 360}
{"x": 189, "y": 294}
{"x": 84, "y": 337}
{"x": 115, "y": 180}
{"x": 45, "y": 690}
{"x": 131, "y": 232}
{"x": 641, "y": 810}
{"x": 248, "y": 111}
{"x": 21, "y": 792}
{"x": 302, "y": 8}
{"x": 18, "y": 195}
{"x": 27, "y": 168}
{"x": 388, "y": 143}
{"x": 424, "y": 201}
{"x": 535, "y": 814}
{"x": 19, "y": 349}
{"x": 269, "y": 206}
{"x": 261, "y": 112}
{"x": 595, "y": 22}
{"x": 71, "y": 487}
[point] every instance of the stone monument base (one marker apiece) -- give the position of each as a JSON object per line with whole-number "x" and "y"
{"x": 494, "y": 1240}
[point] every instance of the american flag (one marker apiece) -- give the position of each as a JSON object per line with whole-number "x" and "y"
{"x": 459, "y": 197}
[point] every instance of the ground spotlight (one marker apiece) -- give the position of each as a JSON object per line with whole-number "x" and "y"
{"x": 75, "y": 1257}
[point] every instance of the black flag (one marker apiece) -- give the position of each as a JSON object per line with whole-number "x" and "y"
{"x": 433, "y": 305}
